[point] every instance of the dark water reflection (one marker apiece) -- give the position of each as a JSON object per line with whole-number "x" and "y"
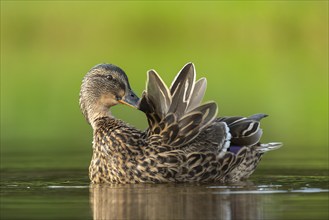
{"x": 274, "y": 194}
{"x": 173, "y": 202}
{"x": 267, "y": 197}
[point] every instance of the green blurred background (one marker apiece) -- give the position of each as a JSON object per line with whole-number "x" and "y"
{"x": 262, "y": 56}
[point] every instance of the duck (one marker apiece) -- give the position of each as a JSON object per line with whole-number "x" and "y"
{"x": 185, "y": 140}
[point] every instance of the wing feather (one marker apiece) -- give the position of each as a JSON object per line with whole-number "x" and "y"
{"x": 176, "y": 114}
{"x": 198, "y": 93}
{"x": 158, "y": 93}
{"x": 181, "y": 89}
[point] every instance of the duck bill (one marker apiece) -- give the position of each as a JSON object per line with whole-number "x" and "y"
{"x": 130, "y": 99}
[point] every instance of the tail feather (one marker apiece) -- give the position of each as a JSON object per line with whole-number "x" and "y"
{"x": 258, "y": 117}
{"x": 262, "y": 148}
{"x": 245, "y": 131}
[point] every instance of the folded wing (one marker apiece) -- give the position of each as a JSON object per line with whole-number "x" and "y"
{"x": 176, "y": 114}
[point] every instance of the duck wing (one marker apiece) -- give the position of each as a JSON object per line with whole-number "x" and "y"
{"x": 175, "y": 114}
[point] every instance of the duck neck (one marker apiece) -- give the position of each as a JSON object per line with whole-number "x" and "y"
{"x": 94, "y": 111}
{"x": 98, "y": 113}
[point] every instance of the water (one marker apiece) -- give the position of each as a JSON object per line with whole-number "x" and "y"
{"x": 66, "y": 194}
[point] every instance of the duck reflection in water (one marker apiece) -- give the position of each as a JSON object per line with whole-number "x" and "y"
{"x": 174, "y": 201}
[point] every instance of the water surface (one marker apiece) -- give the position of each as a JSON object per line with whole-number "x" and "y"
{"x": 67, "y": 194}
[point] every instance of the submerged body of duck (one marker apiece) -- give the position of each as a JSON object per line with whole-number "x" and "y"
{"x": 185, "y": 142}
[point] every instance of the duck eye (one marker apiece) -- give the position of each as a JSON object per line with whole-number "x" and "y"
{"x": 109, "y": 77}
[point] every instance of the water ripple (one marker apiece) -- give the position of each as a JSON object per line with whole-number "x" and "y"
{"x": 266, "y": 191}
{"x": 67, "y": 187}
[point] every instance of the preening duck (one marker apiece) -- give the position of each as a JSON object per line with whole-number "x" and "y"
{"x": 185, "y": 141}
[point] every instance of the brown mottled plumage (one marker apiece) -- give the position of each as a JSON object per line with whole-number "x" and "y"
{"x": 185, "y": 142}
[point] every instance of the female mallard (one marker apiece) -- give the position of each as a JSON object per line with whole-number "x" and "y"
{"x": 185, "y": 142}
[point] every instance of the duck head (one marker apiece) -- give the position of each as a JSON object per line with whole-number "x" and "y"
{"x": 104, "y": 86}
